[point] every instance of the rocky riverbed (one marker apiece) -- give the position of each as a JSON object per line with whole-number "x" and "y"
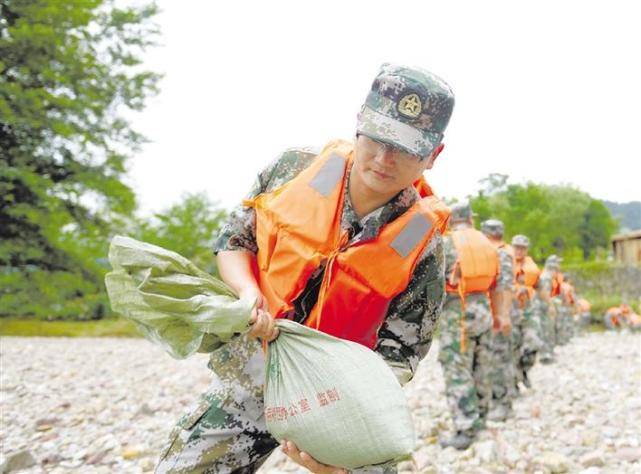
{"x": 107, "y": 405}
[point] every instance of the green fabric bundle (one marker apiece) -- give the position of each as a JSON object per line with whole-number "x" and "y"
{"x": 172, "y": 302}
{"x": 335, "y": 399}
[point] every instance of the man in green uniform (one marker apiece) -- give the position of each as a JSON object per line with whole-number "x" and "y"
{"x": 546, "y": 312}
{"x": 399, "y": 135}
{"x": 527, "y": 329}
{"x": 502, "y": 373}
{"x": 467, "y": 369}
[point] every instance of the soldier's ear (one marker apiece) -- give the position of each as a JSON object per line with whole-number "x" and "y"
{"x": 432, "y": 158}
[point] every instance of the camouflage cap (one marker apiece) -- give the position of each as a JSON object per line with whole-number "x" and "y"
{"x": 553, "y": 262}
{"x": 461, "y": 211}
{"x": 493, "y": 228}
{"x": 520, "y": 240}
{"x": 408, "y": 108}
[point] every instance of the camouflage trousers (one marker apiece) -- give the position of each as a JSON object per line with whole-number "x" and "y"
{"x": 531, "y": 343}
{"x": 548, "y": 332}
{"x": 467, "y": 373}
{"x": 225, "y": 431}
{"x": 502, "y": 376}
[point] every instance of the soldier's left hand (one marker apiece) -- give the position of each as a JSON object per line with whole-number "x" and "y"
{"x": 506, "y": 327}
{"x": 303, "y": 459}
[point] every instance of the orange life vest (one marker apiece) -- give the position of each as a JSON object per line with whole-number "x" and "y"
{"x": 634, "y": 320}
{"x": 556, "y": 284}
{"x": 527, "y": 275}
{"x": 584, "y": 305}
{"x": 615, "y": 315}
{"x": 567, "y": 291}
{"x": 298, "y": 227}
{"x": 478, "y": 265}
{"x": 477, "y": 261}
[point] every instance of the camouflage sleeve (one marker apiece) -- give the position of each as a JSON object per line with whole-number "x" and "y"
{"x": 505, "y": 278}
{"x": 239, "y": 230}
{"x": 406, "y": 334}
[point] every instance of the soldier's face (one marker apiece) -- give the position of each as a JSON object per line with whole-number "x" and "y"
{"x": 520, "y": 252}
{"x": 385, "y": 169}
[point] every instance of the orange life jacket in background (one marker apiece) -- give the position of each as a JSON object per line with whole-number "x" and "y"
{"x": 614, "y": 313}
{"x": 298, "y": 228}
{"x": 634, "y": 320}
{"x": 584, "y": 305}
{"x": 477, "y": 262}
{"x": 527, "y": 275}
{"x": 567, "y": 292}
{"x": 556, "y": 284}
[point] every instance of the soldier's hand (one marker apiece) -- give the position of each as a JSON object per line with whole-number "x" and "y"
{"x": 262, "y": 323}
{"x": 506, "y": 327}
{"x": 303, "y": 459}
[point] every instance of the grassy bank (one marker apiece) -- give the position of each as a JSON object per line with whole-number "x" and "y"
{"x": 99, "y": 328}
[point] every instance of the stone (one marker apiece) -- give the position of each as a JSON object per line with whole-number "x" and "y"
{"x": 555, "y": 463}
{"x": 485, "y": 451}
{"x": 17, "y": 461}
{"x": 594, "y": 458}
{"x": 511, "y": 456}
{"x": 131, "y": 452}
{"x": 421, "y": 459}
{"x": 96, "y": 458}
{"x": 591, "y": 470}
{"x": 628, "y": 454}
{"x": 145, "y": 409}
{"x": 147, "y": 464}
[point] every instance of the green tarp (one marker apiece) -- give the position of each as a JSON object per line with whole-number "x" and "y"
{"x": 173, "y": 302}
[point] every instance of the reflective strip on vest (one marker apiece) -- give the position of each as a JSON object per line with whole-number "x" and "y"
{"x": 329, "y": 175}
{"x": 411, "y": 235}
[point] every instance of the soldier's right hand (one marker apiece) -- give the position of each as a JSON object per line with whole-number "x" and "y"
{"x": 263, "y": 325}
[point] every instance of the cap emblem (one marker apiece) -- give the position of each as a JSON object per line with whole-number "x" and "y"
{"x": 410, "y": 106}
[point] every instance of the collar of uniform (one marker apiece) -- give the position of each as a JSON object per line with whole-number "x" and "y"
{"x": 370, "y": 225}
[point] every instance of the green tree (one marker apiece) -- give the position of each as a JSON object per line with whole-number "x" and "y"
{"x": 68, "y": 72}
{"x": 557, "y": 219}
{"x": 596, "y": 228}
{"x": 189, "y": 228}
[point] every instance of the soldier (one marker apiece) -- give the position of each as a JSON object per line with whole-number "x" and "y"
{"x": 585, "y": 316}
{"x": 472, "y": 269}
{"x": 527, "y": 328}
{"x": 568, "y": 309}
{"x": 549, "y": 287}
{"x": 369, "y": 222}
{"x": 502, "y": 373}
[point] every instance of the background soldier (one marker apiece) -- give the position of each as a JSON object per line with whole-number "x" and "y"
{"x": 472, "y": 268}
{"x": 502, "y": 373}
{"x": 549, "y": 286}
{"x": 526, "y": 340}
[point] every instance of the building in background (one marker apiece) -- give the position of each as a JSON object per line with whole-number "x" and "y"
{"x": 627, "y": 247}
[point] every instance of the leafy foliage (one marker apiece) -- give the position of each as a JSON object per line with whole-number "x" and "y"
{"x": 188, "y": 228}
{"x": 68, "y": 72}
{"x": 558, "y": 219}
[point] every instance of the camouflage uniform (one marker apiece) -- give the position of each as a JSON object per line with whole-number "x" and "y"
{"x": 468, "y": 385}
{"x": 559, "y": 321}
{"x": 545, "y": 313}
{"x": 226, "y": 431}
{"x": 502, "y": 374}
